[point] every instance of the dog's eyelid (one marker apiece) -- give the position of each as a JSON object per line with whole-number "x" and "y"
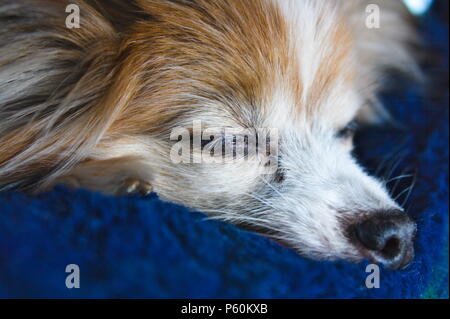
{"x": 348, "y": 131}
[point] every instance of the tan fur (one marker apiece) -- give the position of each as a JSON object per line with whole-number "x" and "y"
{"x": 74, "y": 113}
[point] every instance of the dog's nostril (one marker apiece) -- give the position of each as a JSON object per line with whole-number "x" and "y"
{"x": 388, "y": 237}
{"x": 376, "y": 234}
{"x": 391, "y": 248}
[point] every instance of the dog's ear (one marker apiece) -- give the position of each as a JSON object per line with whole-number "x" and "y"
{"x": 390, "y": 47}
{"x": 58, "y": 87}
{"x": 391, "y": 44}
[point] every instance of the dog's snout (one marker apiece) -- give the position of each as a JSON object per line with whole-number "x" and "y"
{"x": 388, "y": 237}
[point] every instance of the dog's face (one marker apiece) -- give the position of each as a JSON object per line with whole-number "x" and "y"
{"x": 314, "y": 196}
{"x": 306, "y": 87}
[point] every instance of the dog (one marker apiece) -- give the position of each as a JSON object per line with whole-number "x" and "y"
{"x": 95, "y": 106}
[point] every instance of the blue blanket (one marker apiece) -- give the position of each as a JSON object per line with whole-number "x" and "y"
{"x": 143, "y": 248}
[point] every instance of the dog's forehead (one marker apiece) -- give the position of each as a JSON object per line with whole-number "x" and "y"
{"x": 303, "y": 72}
{"x": 250, "y": 62}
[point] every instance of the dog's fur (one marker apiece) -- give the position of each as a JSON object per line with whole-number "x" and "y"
{"x": 94, "y": 107}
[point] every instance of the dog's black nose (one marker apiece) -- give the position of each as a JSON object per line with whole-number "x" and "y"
{"x": 388, "y": 237}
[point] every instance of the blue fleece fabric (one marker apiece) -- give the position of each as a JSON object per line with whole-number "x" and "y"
{"x": 143, "y": 248}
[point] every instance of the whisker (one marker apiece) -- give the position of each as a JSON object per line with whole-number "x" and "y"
{"x": 275, "y": 190}
{"x": 410, "y": 190}
{"x": 261, "y": 200}
{"x": 397, "y": 183}
{"x": 388, "y": 159}
{"x": 398, "y": 177}
{"x": 235, "y": 218}
{"x": 394, "y": 167}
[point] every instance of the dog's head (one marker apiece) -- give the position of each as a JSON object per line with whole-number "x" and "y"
{"x": 286, "y": 75}
{"x": 254, "y": 65}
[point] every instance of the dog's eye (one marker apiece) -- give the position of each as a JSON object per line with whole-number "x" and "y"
{"x": 348, "y": 131}
{"x": 279, "y": 176}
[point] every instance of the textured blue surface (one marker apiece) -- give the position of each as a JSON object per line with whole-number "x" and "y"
{"x": 143, "y": 247}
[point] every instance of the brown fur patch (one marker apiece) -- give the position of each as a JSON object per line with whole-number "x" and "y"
{"x": 199, "y": 52}
{"x": 57, "y": 117}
